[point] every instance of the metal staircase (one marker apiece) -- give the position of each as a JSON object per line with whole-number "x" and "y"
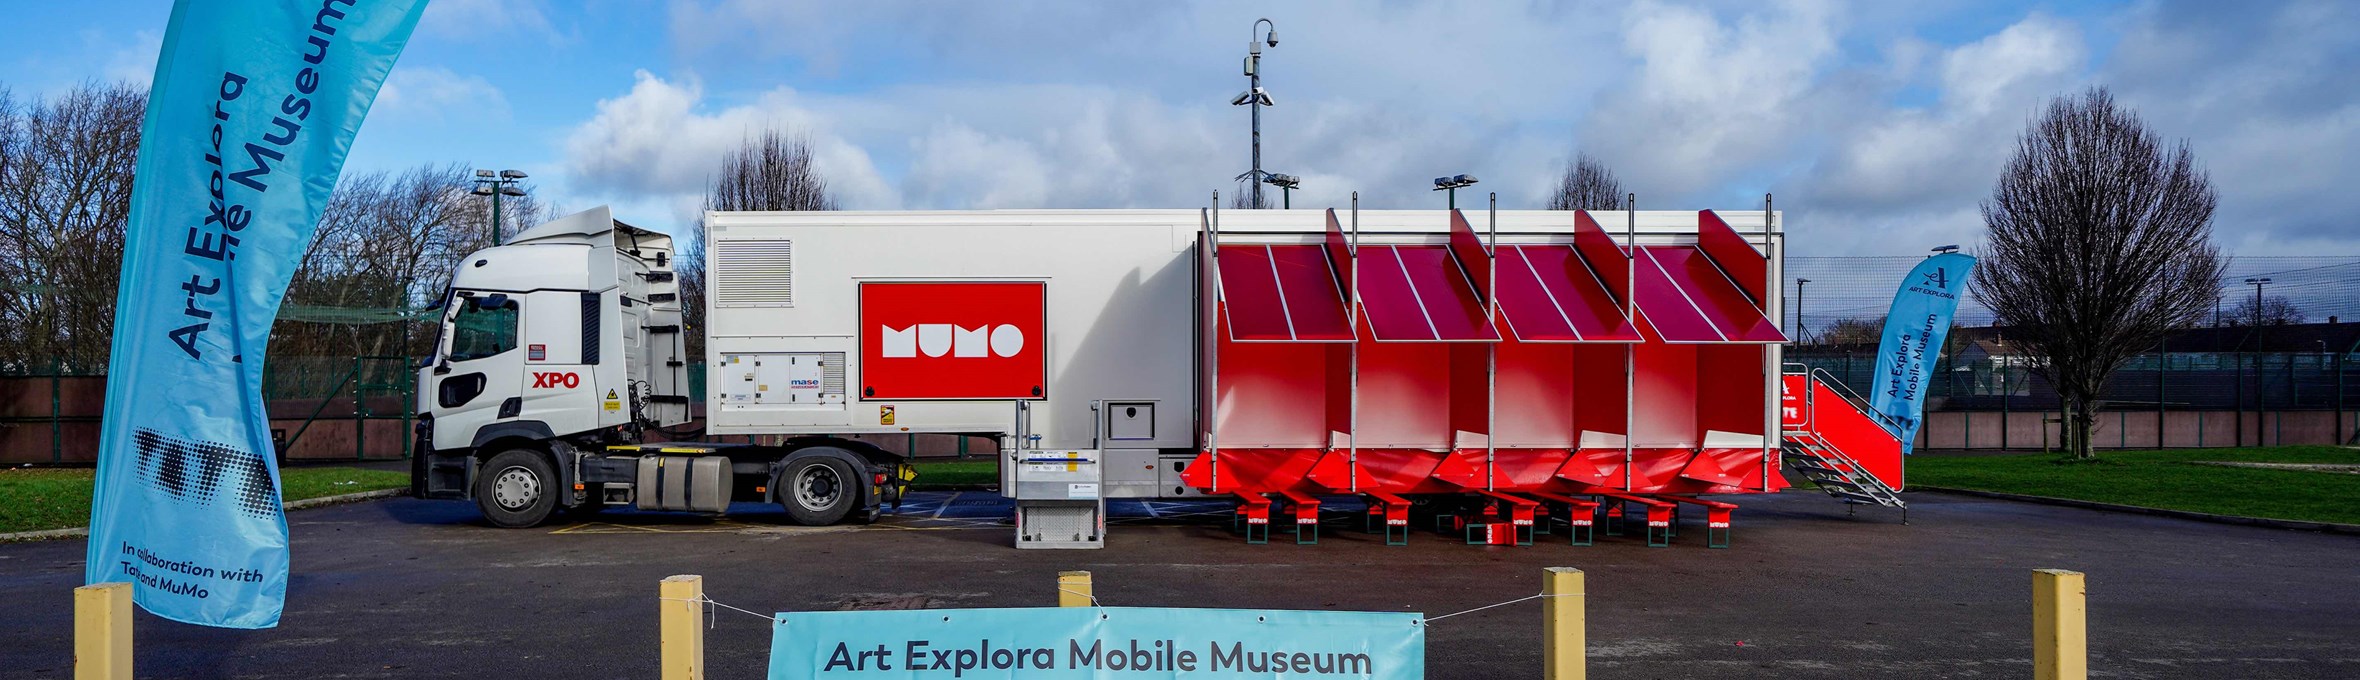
{"x": 1811, "y": 455}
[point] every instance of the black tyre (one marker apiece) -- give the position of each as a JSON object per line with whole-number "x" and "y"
{"x": 818, "y": 490}
{"x": 517, "y": 488}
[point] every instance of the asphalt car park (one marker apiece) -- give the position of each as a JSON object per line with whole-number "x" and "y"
{"x": 408, "y": 588}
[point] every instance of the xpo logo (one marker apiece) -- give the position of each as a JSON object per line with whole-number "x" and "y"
{"x": 937, "y": 339}
{"x": 953, "y": 340}
{"x": 556, "y": 379}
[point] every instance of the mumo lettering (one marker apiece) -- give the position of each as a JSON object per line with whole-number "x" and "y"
{"x": 556, "y": 379}
{"x": 940, "y": 339}
{"x": 1154, "y": 656}
{"x": 212, "y": 244}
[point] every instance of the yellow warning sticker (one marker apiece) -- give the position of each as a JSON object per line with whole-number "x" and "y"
{"x": 614, "y": 402}
{"x": 885, "y": 415}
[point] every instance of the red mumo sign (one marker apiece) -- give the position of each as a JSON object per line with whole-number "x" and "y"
{"x": 965, "y": 340}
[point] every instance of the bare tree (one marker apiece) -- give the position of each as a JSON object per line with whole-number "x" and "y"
{"x": 1853, "y": 331}
{"x": 1247, "y": 199}
{"x": 1587, "y": 185}
{"x": 2100, "y": 242}
{"x": 2274, "y": 310}
{"x": 385, "y": 249}
{"x": 769, "y": 171}
{"x": 65, "y": 196}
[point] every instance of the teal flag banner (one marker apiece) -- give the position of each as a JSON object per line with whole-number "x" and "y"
{"x": 253, "y": 108}
{"x": 1914, "y": 332}
{"x": 1103, "y": 643}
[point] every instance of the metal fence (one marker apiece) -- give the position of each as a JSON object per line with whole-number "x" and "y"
{"x": 321, "y": 408}
{"x": 2155, "y": 400}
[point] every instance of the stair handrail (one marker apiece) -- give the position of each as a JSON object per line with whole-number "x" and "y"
{"x": 1857, "y": 402}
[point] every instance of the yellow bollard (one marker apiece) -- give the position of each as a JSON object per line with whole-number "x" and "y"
{"x": 102, "y": 632}
{"x": 683, "y": 628}
{"x": 1073, "y": 589}
{"x": 2060, "y": 626}
{"x": 1563, "y": 624}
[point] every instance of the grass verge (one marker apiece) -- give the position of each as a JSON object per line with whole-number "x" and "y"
{"x": 936, "y": 474}
{"x": 2168, "y": 479}
{"x": 33, "y": 499}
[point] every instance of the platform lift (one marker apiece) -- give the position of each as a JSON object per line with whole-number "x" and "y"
{"x": 1633, "y": 375}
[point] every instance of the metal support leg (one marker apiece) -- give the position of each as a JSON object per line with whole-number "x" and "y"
{"x": 1659, "y": 527}
{"x": 1716, "y": 527}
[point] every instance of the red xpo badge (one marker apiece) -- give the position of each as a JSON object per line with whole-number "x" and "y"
{"x": 967, "y": 340}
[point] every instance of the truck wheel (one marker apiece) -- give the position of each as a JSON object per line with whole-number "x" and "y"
{"x": 818, "y": 490}
{"x": 517, "y": 489}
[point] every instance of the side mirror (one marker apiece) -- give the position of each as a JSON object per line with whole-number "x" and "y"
{"x": 492, "y": 301}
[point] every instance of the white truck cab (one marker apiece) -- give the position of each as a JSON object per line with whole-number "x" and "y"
{"x": 560, "y": 351}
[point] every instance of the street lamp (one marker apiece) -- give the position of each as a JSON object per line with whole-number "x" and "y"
{"x": 2257, "y": 303}
{"x": 1286, "y": 187}
{"x": 1452, "y": 184}
{"x": 495, "y": 185}
{"x": 1802, "y": 330}
{"x": 1256, "y": 97}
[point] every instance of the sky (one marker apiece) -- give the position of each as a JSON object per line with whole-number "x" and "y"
{"x": 1877, "y": 125}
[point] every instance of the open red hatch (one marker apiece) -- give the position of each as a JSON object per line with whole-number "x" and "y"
{"x": 1549, "y": 294}
{"x": 1282, "y": 293}
{"x": 1418, "y": 293}
{"x": 1688, "y": 299}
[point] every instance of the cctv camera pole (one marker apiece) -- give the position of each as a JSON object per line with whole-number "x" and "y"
{"x": 1253, "y": 88}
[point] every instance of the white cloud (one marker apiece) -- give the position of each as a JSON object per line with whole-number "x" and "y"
{"x": 1916, "y": 174}
{"x": 656, "y": 141}
{"x": 434, "y": 93}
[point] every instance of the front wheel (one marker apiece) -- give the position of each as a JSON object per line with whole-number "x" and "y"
{"x": 518, "y": 488}
{"x": 818, "y": 490}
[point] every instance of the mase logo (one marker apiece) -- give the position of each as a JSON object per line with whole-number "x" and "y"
{"x": 953, "y": 340}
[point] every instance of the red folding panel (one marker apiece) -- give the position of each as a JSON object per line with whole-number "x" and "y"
{"x": 1747, "y": 267}
{"x": 1281, "y": 293}
{"x": 1688, "y": 300}
{"x": 1418, "y": 293}
{"x": 1549, "y": 294}
{"x": 1599, "y": 250}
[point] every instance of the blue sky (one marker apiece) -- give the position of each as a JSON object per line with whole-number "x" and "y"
{"x": 1879, "y": 125}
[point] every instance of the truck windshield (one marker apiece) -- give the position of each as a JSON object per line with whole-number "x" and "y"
{"x": 479, "y": 331}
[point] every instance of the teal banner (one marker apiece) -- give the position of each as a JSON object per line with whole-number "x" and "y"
{"x": 1097, "y": 642}
{"x": 1914, "y": 331}
{"x": 253, "y": 108}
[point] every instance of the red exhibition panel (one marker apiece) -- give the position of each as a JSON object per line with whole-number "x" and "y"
{"x": 1281, "y": 293}
{"x": 964, "y": 340}
{"x": 1550, "y": 295}
{"x": 1314, "y": 303}
{"x": 1417, "y": 293}
{"x": 1748, "y": 267}
{"x": 1687, "y": 299}
{"x": 1604, "y": 256}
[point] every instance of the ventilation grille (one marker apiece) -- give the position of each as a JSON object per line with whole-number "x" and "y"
{"x": 754, "y": 273}
{"x": 831, "y": 373}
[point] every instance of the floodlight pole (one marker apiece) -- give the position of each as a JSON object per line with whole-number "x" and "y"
{"x": 495, "y": 185}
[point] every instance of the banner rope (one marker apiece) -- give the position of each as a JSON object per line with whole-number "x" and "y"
{"x": 1431, "y": 619}
{"x": 712, "y": 614}
{"x": 1093, "y": 597}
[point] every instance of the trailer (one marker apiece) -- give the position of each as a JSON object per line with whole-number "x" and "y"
{"x": 1514, "y": 371}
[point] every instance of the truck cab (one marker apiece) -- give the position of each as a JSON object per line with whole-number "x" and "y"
{"x": 557, "y": 372}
